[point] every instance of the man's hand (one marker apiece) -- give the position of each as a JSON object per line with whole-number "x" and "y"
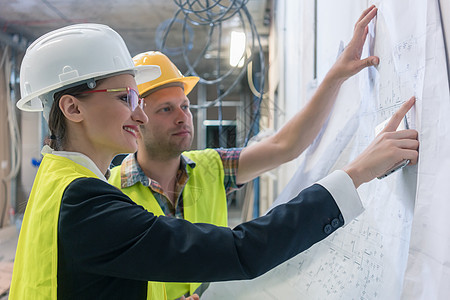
{"x": 193, "y": 297}
{"x": 296, "y": 135}
{"x": 349, "y": 62}
{"x": 388, "y": 149}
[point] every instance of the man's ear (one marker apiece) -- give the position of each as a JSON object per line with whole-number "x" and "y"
{"x": 69, "y": 106}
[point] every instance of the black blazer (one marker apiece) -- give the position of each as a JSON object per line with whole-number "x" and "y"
{"x": 109, "y": 247}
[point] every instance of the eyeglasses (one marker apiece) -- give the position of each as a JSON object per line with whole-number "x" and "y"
{"x": 133, "y": 99}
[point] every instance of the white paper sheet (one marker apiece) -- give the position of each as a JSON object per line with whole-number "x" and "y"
{"x": 428, "y": 271}
{"x": 367, "y": 259}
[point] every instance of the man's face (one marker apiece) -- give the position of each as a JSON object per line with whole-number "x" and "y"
{"x": 169, "y": 130}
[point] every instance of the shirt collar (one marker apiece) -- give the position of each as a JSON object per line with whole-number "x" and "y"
{"x": 186, "y": 161}
{"x": 78, "y": 158}
{"x": 131, "y": 172}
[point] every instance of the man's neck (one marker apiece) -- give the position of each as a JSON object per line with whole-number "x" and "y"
{"x": 163, "y": 171}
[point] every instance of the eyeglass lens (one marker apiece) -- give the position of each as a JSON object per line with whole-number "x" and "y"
{"x": 133, "y": 99}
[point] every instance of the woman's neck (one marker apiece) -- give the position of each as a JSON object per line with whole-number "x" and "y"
{"x": 101, "y": 159}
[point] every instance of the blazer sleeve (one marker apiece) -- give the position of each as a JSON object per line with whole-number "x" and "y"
{"x": 102, "y": 231}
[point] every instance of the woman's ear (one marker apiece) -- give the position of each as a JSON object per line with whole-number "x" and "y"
{"x": 69, "y": 106}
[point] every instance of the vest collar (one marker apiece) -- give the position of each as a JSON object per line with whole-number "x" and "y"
{"x": 78, "y": 158}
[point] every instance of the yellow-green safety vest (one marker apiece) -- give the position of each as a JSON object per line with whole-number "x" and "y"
{"x": 36, "y": 261}
{"x": 204, "y": 200}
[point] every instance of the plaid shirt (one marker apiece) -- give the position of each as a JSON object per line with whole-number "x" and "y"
{"x": 132, "y": 173}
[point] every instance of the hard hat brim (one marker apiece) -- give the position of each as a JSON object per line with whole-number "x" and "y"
{"x": 142, "y": 74}
{"x": 189, "y": 83}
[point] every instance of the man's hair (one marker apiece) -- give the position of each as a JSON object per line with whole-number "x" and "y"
{"x": 171, "y": 84}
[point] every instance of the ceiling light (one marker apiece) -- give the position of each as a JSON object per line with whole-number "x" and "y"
{"x": 237, "y": 48}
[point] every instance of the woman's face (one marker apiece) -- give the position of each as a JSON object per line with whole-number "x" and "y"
{"x": 109, "y": 125}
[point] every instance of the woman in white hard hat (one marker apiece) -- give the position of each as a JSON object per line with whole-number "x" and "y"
{"x": 82, "y": 238}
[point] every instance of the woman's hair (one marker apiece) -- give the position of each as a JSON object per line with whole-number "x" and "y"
{"x": 57, "y": 121}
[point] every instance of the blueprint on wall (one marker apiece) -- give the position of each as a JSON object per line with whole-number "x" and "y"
{"x": 428, "y": 269}
{"x": 369, "y": 257}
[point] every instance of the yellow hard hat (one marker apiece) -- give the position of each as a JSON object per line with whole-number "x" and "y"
{"x": 169, "y": 73}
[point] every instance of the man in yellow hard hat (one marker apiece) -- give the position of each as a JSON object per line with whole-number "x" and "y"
{"x": 161, "y": 176}
{"x": 167, "y": 179}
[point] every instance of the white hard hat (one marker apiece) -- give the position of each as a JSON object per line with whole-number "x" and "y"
{"x": 71, "y": 55}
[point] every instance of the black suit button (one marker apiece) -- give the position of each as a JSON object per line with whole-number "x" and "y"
{"x": 327, "y": 229}
{"x": 335, "y": 223}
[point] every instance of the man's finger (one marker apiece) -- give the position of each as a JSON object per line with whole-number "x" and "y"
{"x": 365, "y": 12}
{"x": 366, "y": 17}
{"x": 395, "y": 120}
{"x": 370, "y": 61}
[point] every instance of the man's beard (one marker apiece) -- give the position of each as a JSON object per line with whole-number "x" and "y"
{"x": 167, "y": 151}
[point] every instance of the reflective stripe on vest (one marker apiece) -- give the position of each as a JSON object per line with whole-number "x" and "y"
{"x": 204, "y": 200}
